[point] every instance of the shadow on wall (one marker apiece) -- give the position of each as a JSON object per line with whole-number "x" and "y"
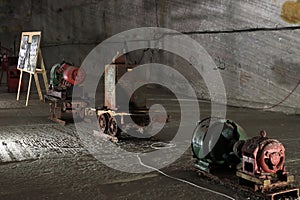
{"x": 286, "y": 73}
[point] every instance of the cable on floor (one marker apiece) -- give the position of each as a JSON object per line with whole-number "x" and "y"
{"x": 162, "y": 145}
{"x": 184, "y": 181}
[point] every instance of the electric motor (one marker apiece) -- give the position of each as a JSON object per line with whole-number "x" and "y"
{"x": 262, "y": 155}
{"x": 64, "y": 75}
{"x": 214, "y": 139}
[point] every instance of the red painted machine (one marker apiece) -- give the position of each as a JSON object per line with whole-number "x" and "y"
{"x": 63, "y": 77}
{"x": 262, "y": 155}
{"x": 262, "y": 165}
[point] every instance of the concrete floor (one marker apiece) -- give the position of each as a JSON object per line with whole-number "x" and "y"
{"x": 44, "y": 160}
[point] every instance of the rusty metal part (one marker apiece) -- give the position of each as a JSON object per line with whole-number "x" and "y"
{"x": 293, "y": 193}
{"x": 110, "y": 87}
{"x": 228, "y": 179}
{"x": 263, "y": 184}
{"x": 271, "y": 188}
{"x": 262, "y": 155}
{"x": 103, "y": 120}
{"x": 61, "y": 109}
{"x": 113, "y": 128}
{"x": 141, "y": 120}
{"x": 113, "y": 72}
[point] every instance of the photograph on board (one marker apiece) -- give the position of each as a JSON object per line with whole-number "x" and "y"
{"x": 23, "y": 52}
{"x": 33, "y": 52}
{"x": 28, "y": 54}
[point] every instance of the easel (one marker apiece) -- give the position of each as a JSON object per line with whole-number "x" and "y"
{"x": 31, "y": 68}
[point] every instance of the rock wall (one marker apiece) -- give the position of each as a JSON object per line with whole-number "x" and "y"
{"x": 254, "y": 43}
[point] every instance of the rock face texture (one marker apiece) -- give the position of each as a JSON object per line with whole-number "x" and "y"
{"x": 255, "y": 44}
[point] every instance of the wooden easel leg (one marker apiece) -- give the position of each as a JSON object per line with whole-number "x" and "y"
{"x": 19, "y": 87}
{"x": 45, "y": 80}
{"x": 28, "y": 90}
{"x": 38, "y": 86}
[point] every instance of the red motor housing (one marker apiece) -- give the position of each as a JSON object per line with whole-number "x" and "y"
{"x": 263, "y": 155}
{"x": 74, "y": 75}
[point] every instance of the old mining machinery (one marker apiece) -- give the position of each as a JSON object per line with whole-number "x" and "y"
{"x": 112, "y": 118}
{"x": 63, "y": 77}
{"x": 257, "y": 162}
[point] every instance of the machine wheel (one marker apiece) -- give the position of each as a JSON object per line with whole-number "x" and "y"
{"x": 113, "y": 128}
{"x": 103, "y": 122}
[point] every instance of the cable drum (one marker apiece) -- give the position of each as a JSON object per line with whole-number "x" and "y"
{"x": 213, "y": 146}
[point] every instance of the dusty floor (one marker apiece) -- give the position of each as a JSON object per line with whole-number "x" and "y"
{"x": 44, "y": 160}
